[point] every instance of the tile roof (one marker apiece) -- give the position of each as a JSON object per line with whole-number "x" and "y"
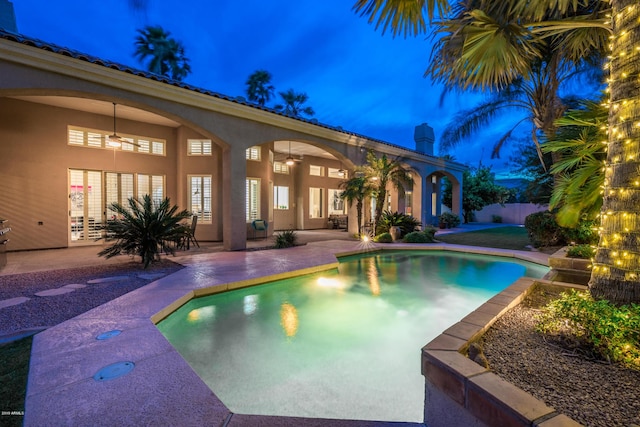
{"x": 65, "y": 51}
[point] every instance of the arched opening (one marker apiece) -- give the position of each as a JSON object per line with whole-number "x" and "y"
{"x": 295, "y": 185}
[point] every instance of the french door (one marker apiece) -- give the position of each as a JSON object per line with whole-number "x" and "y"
{"x": 85, "y": 206}
{"x": 91, "y": 194}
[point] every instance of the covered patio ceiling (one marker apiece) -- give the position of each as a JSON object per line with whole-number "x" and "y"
{"x": 285, "y": 147}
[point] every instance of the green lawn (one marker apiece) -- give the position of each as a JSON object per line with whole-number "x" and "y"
{"x": 507, "y": 237}
{"x": 13, "y": 379}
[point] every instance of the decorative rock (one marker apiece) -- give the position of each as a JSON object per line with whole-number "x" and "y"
{"x": 75, "y": 286}
{"x": 477, "y": 355}
{"x": 107, "y": 279}
{"x": 54, "y": 292}
{"x": 13, "y": 301}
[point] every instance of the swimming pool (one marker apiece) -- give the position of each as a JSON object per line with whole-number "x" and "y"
{"x": 344, "y": 343}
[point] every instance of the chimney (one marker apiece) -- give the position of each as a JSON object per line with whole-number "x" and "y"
{"x": 425, "y": 138}
{"x": 7, "y": 16}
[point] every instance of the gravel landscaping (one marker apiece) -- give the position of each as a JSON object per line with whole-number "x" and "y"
{"x": 591, "y": 392}
{"x": 47, "y": 311}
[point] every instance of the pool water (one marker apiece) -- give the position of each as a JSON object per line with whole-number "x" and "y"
{"x": 344, "y": 343}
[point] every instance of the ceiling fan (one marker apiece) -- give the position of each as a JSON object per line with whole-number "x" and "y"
{"x": 114, "y": 140}
{"x": 290, "y": 160}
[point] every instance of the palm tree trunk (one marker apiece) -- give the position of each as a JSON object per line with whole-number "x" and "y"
{"x": 616, "y": 267}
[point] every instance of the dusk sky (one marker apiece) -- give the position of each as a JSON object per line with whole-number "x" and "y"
{"x": 355, "y": 77}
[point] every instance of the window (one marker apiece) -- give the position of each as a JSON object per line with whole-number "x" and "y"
{"x": 337, "y": 173}
{"x": 152, "y": 185}
{"x": 143, "y": 146}
{"x": 118, "y": 189}
{"x": 199, "y": 147}
{"x": 316, "y": 202}
{"x": 200, "y": 197}
{"x": 253, "y": 199}
{"x": 98, "y": 139}
{"x": 280, "y": 167}
{"x": 85, "y": 205}
{"x": 92, "y": 193}
{"x": 253, "y": 153}
{"x": 408, "y": 203}
{"x": 336, "y": 203}
{"x": 281, "y": 197}
{"x": 316, "y": 170}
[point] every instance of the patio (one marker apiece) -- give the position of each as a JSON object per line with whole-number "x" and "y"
{"x": 162, "y": 387}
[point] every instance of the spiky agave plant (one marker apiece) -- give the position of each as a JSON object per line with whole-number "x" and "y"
{"x": 145, "y": 228}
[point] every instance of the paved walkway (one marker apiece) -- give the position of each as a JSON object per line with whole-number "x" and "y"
{"x": 66, "y": 385}
{"x": 83, "y": 256}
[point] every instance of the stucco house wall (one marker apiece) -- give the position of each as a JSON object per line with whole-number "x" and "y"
{"x": 37, "y": 159}
{"x": 511, "y": 213}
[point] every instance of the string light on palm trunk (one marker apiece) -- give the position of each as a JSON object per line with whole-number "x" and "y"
{"x": 618, "y": 258}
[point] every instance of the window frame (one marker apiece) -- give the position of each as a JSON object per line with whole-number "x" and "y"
{"x": 322, "y": 202}
{"x": 94, "y": 138}
{"x": 205, "y": 214}
{"x": 254, "y": 153}
{"x": 204, "y": 147}
{"x": 320, "y": 170}
{"x": 277, "y": 202}
{"x": 256, "y": 182}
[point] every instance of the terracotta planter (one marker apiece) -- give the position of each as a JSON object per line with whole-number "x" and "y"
{"x": 395, "y": 232}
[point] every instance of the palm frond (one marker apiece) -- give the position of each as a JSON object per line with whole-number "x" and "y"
{"x": 144, "y": 229}
{"x": 468, "y": 122}
{"x": 400, "y": 16}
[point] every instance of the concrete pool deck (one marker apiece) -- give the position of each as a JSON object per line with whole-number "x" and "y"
{"x": 162, "y": 389}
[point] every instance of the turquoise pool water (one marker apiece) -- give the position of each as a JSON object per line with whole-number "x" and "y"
{"x": 341, "y": 344}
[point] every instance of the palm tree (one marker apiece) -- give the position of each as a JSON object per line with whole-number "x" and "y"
{"x": 536, "y": 90}
{"x": 293, "y": 104}
{"x": 259, "y": 87}
{"x": 145, "y": 228}
{"x": 491, "y": 53}
{"x": 579, "y": 176}
{"x": 166, "y": 55}
{"x": 382, "y": 171}
{"x": 357, "y": 189}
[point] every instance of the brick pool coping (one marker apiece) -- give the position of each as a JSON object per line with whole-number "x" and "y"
{"x": 462, "y": 392}
{"x": 162, "y": 389}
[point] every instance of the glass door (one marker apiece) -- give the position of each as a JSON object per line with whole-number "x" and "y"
{"x": 119, "y": 189}
{"x": 85, "y": 206}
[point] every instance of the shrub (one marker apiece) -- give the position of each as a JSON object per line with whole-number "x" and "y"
{"x": 581, "y": 251}
{"x": 418, "y": 237}
{"x": 543, "y": 230}
{"x": 389, "y": 219}
{"x": 584, "y": 233}
{"x": 449, "y": 219}
{"x": 496, "y": 219}
{"x": 383, "y": 238}
{"x": 430, "y": 232}
{"x": 285, "y": 239}
{"x": 612, "y": 332}
{"x": 145, "y": 228}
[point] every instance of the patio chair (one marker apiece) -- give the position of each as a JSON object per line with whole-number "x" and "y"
{"x": 190, "y": 235}
{"x": 259, "y": 225}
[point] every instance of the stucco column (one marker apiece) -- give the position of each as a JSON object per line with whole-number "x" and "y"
{"x": 234, "y": 175}
{"x": 427, "y": 206}
{"x": 456, "y": 197}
